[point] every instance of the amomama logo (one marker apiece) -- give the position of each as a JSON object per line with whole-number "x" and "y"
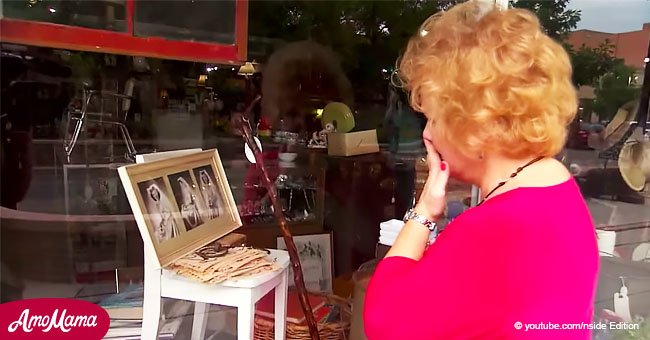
{"x": 52, "y": 319}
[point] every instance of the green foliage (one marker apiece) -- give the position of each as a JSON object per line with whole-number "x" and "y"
{"x": 614, "y": 90}
{"x": 643, "y": 333}
{"x": 596, "y": 67}
{"x": 589, "y": 64}
{"x": 84, "y": 65}
{"x": 367, "y": 35}
{"x": 554, "y": 15}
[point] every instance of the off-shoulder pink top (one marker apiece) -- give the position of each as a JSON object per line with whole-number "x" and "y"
{"x": 526, "y": 256}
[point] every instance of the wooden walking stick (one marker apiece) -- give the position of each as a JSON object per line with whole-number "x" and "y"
{"x": 247, "y": 134}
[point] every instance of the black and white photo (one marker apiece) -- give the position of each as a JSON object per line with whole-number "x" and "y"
{"x": 187, "y": 198}
{"x": 209, "y": 191}
{"x": 159, "y": 209}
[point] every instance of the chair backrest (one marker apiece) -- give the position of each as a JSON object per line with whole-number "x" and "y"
{"x": 155, "y": 156}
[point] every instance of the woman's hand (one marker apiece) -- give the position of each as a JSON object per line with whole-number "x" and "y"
{"x": 413, "y": 238}
{"x": 432, "y": 201}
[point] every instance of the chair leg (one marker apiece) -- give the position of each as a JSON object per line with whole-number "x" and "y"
{"x": 128, "y": 141}
{"x": 152, "y": 302}
{"x": 70, "y": 144}
{"x": 150, "y": 316}
{"x": 245, "y": 321}
{"x": 77, "y": 129}
{"x": 200, "y": 320}
{"x": 281, "y": 306}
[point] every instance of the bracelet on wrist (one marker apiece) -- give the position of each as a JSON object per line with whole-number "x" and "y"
{"x": 430, "y": 224}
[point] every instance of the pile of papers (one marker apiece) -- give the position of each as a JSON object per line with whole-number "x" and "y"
{"x": 236, "y": 263}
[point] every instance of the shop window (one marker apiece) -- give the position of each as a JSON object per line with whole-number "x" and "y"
{"x": 201, "y": 21}
{"x": 105, "y": 15}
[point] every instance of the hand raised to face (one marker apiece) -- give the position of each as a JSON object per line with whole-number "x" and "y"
{"x": 432, "y": 201}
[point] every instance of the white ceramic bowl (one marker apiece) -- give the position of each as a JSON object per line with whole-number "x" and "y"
{"x": 287, "y": 156}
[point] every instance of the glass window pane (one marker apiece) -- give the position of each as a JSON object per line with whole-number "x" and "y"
{"x": 106, "y": 15}
{"x": 311, "y": 53}
{"x": 204, "y": 21}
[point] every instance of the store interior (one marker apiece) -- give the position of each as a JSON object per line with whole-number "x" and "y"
{"x": 72, "y": 117}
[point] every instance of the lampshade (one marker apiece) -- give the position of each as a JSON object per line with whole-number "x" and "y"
{"x": 202, "y": 79}
{"x": 248, "y": 69}
{"x": 339, "y": 115}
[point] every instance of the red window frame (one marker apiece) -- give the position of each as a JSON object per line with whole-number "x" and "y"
{"x": 85, "y": 39}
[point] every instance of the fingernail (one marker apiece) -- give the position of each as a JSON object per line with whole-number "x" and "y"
{"x": 443, "y": 166}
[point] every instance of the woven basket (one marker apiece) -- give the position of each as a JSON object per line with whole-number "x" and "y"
{"x": 264, "y": 328}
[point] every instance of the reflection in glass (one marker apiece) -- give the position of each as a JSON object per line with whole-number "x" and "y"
{"x": 206, "y": 21}
{"x": 105, "y": 15}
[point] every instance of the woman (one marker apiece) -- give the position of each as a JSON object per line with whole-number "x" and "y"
{"x": 210, "y": 194}
{"x": 498, "y": 96}
{"x": 166, "y": 227}
{"x": 189, "y": 205}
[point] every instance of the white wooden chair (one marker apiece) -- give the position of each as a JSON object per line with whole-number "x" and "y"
{"x": 240, "y": 293}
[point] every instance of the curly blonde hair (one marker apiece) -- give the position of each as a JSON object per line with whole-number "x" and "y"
{"x": 495, "y": 81}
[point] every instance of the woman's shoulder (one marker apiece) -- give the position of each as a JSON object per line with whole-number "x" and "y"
{"x": 547, "y": 194}
{"x": 559, "y": 203}
{"x": 523, "y": 220}
{"x": 554, "y": 202}
{"x": 550, "y": 179}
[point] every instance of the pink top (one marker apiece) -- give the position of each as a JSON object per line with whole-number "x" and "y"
{"x": 528, "y": 255}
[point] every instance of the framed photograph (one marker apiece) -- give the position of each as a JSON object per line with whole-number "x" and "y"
{"x": 92, "y": 189}
{"x": 180, "y": 203}
{"x": 315, "y": 253}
